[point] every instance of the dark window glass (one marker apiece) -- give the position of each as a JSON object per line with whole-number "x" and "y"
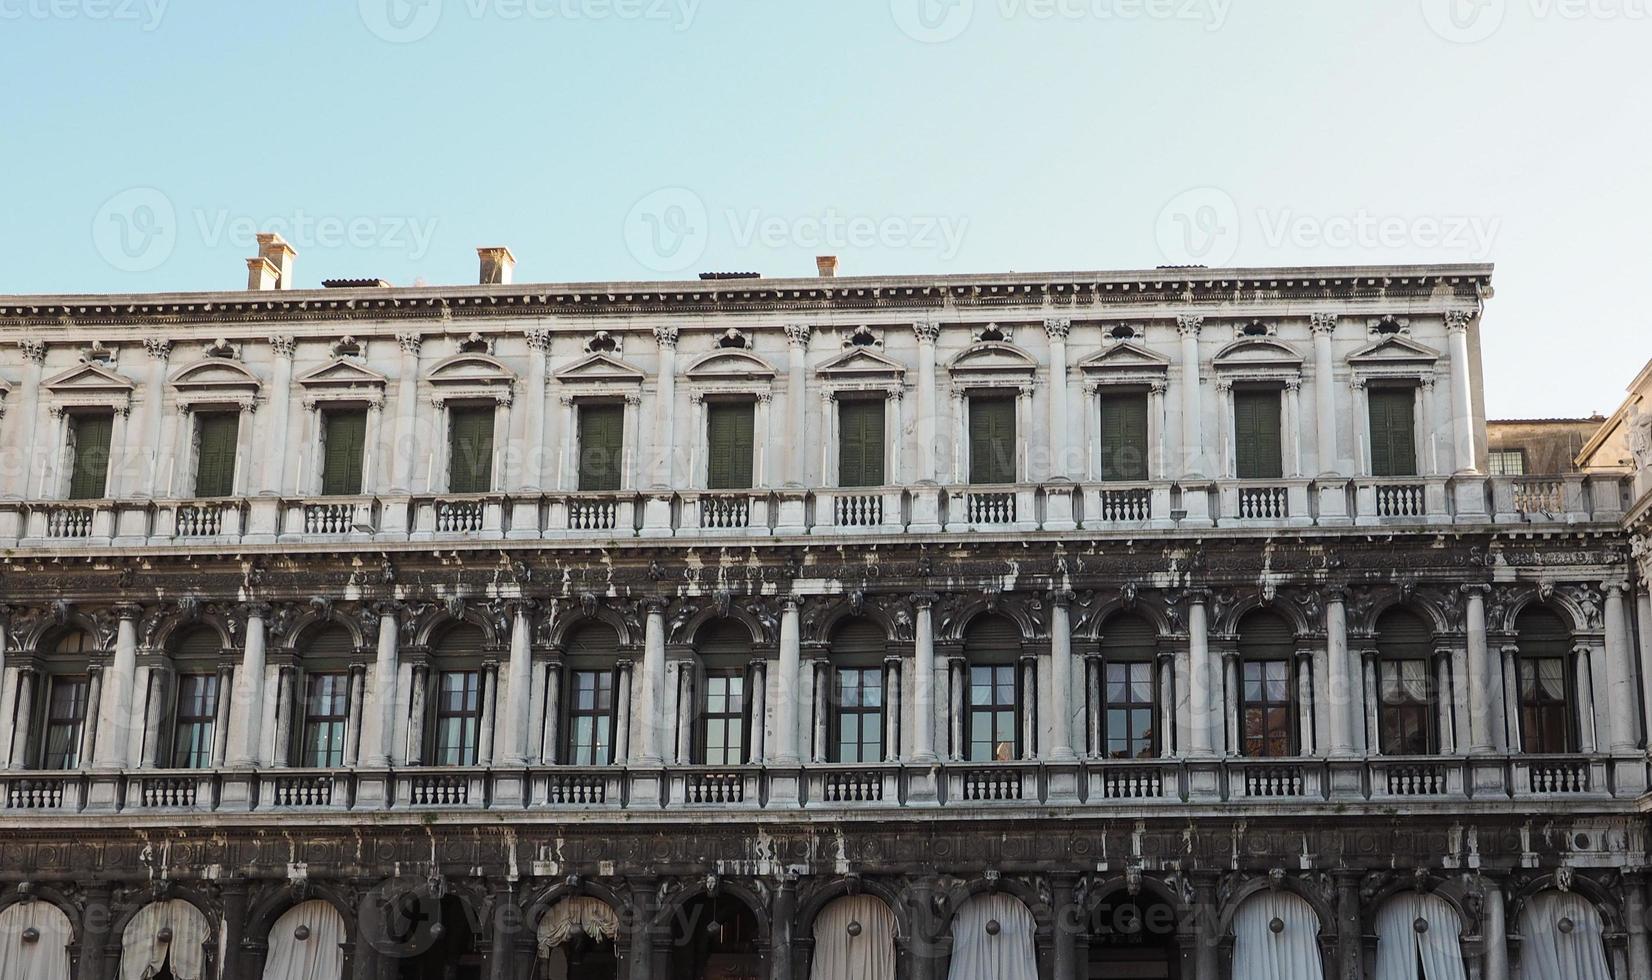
{"x": 1268, "y": 728}
{"x": 218, "y": 434}
{"x": 994, "y": 721}
{"x": 1257, "y": 454}
{"x": 861, "y": 446}
{"x": 859, "y": 714}
{"x": 1128, "y": 692}
{"x": 470, "y": 448}
{"x": 194, "y": 721}
{"x": 1508, "y": 462}
{"x": 601, "y": 446}
{"x": 1393, "y": 431}
{"x": 90, "y": 434}
{"x": 729, "y": 445}
{"x": 723, "y": 722}
{"x": 1545, "y": 712}
{"x": 344, "y": 438}
{"x": 1407, "y": 707}
{"x": 65, "y": 722}
{"x": 326, "y": 713}
{"x": 591, "y": 718}
{"x": 1124, "y": 436}
{"x": 458, "y": 717}
{"x": 992, "y": 447}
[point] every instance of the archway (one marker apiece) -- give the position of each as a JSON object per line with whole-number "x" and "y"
{"x": 1419, "y": 938}
{"x": 716, "y": 938}
{"x": 1276, "y": 937}
{"x": 165, "y": 940}
{"x": 1133, "y": 937}
{"x": 306, "y": 943}
{"x": 452, "y": 953}
{"x": 993, "y": 938}
{"x": 1562, "y": 935}
{"x": 576, "y": 941}
{"x": 854, "y": 940}
{"x": 34, "y": 942}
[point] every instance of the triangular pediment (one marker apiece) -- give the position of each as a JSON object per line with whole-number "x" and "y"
{"x": 1255, "y": 352}
{"x": 87, "y": 377}
{"x": 1125, "y": 356}
{"x": 730, "y": 365}
{"x": 1394, "y": 350}
{"x": 215, "y": 374}
{"x": 993, "y": 358}
{"x": 343, "y": 373}
{"x": 600, "y": 369}
{"x": 861, "y": 362}
{"x": 470, "y": 369}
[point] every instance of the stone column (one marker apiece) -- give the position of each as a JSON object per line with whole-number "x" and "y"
{"x": 821, "y": 671}
{"x": 892, "y": 670}
{"x": 923, "y": 679}
{"x": 353, "y": 725}
{"x": 797, "y": 407}
{"x": 757, "y": 684}
{"x": 957, "y": 690}
{"x": 651, "y": 702}
{"x": 1208, "y": 940}
{"x": 550, "y": 745}
{"x": 786, "y": 691}
{"x": 622, "y": 728}
{"x": 154, "y": 417}
{"x": 89, "y": 733}
{"x": 1336, "y": 657}
{"x": 1199, "y": 679}
{"x": 1431, "y": 432}
{"x": 1512, "y": 739}
{"x": 419, "y": 679}
{"x": 380, "y": 703}
{"x": 1193, "y": 463}
{"x": 567, "y": 463}
{"x": 1061, "y": 676}
{"x": 1227, "y": 703}
{"x": 1587, "y": 741}
{"x": 533, "y": 458}
{"x": 244, "y": 750}
{"x": 114, "y": 747}
{"x": 1643, "y": 617}
{"x": 928, "y": 332}
{"x": 274, "y": 482}
{"x": 1029, "y": 707}
{"x": 780, "y": 941}
{"x": 1165, "y": 665}
{"x": 94, "y": 939}
{"x": 1479, "y": 672}
{"x": 1324, "y": 327}
{"x": 1444, "y": 697}
{"x": 1620, "y": 669}
{"x": 220, "y": 715}
{"x": 150, "y": 737}
{"x": 1293, "y": 428}
{"x": 485, "y": 739}
{"x": 518, "y": 686}
{"x": 286, "y": 701}
{"x": 1634, "y": 915}
{"x": 1464, "y": 450}
{"x": 639, "y": 944}
{"x": 1066, "y": 918}
{"x": 234, "y": 893}
{"x": 1058, "y": 328}
{"x": 21, "y": 484}
{"x": 1495, "y": 931}
{"x": 405, "y": 434}
{"x": 1350, "y": 932}
{"x": 665, "y": 407}
{"x": 26, "y": 676}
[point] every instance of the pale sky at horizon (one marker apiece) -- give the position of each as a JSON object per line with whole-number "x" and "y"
{"x": 642, "y": 139}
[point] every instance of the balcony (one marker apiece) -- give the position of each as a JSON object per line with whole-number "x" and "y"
{"x": 919, "y": 509}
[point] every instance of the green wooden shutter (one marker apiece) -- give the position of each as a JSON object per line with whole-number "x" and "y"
{"x": 90, "y": 476}
{"x": 346, "y": 438}
{"x": 470, "y": 450}
{"x": 601, "y": 446}
{"x": 215, "y": 456}
{"x": 860, "y": 445}
{"x": 728, "y": 445}
{"x": 991, "y": 440}
{"x": 1393, "y": 432}
{"x": 1256, "y": 434}
{"x": 1124, "y": 436}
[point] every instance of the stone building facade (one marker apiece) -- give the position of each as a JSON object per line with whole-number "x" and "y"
{"x": 1156, "y": 624}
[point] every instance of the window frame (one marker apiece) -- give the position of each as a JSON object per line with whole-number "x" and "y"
{"x": 713, "y": 406}
{"x": 737, "y": 720}
{"x": 842, "y": 711}
{"x": 483, "y": 469}
{"x": 847, "y": 401}
{"x": 1121, "y": 393}
{"x": 573, "y": 713}
{"x": 1387, "y": 387}
{"x": 1265, "y": 468}
{"x": 325, "y": 414}
{"x": 49, "y": 723}
{"x": 981, "y": 396}
{"x": 73, "y": 420}
{"x": 1565, "y": 708}
{"x": 580, "y": 408}
{"x": 184, "y": 751}
{"x": 992, "y": 711}
{"x": 1397, "y": 710}
{"x": 200, "y": 417}
{"x": 1496, "y": 468}
{"x": 310, "y": 718}
{"x": 468, "y": 717}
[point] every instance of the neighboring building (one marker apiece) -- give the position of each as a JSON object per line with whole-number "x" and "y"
{"x": 1157, "y": 624}
{"x": 1539, "y": 447}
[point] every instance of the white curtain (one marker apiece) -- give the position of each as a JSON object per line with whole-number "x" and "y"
{"x": 979, "y": 955}
{"x": 1399, "y": 944}
{"x": 142, "y": 953}
{"x": 1261, "y": 954}
{"x": 318, "y": 956}
{"x": 591, "y": 916}
{"x": 45, "y": 959}
{"x": 1547, "y": 953}
{"x": 868, "y": 955}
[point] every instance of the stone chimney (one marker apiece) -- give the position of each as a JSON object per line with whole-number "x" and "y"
{"x": 498, "y": 265}
{"x": 826, "y": 265}
{"x": 273, "y": 268}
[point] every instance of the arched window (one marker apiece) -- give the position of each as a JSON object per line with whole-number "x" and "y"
{"x": 326, "y": 699}
{"x": 1419, "y": 938}
{"x": 65, "y": 739}
{"x": 47, "y": 957}
{"x": 1128, "y": 692}
{"x": 194, "y": 733}
{"x": 992, "y": 721}
{"x": 1562, "y": 935}
{"x": 857, "y": 720}
{"x": 590, "y": 658}
{"x": 854, "y": 940}
{"x": 167, "y": 939}
{"x": 993, "y": 939}
{"x": 576, "y": 940}
{"x": 1266, "y": 684}
{"x": 1546, "y": 685}
{"x": 1408, "y": 706}
{"x": 713, "y": 938}
{"x": 1276, "y": 937}
{"x": 725, "y": 654}
{"x": 456, "y": 708}
{"x": 306, "y": 943}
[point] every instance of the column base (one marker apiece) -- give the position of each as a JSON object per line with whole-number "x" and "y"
{"x": 103, "y": 792}
{"x": 923, "y": 785}
{"x": 1487, "y": 777}
{"x": 1347, "y": 779}
{"x": 785, "y": 787}
{"x": 1062, "y": 781}
{"x": 1204, "y": 780}
{"x": 510, "y": 790}
{"x": 373, "y": 790}
{"x": 647, "y": 788}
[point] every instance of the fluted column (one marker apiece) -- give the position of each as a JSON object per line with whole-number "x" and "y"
{"x": 1464, "y": 450}
{"x": 1336, "y": 657}
{"x": 1479, "y": 672}
{"x": 665, "y": 407}
{"x": 1061, "y": 675}
{"x": 1193, "y": 462}
{"x": 1061, "y": 464}
{"x": 797, "y": 406}
{"x": 115, "y": 743}
{"x": 1620, "y": 669}
{"x": 928, "y": 332}
{"x": 1199, "y": 681}
{"x": 380, "y": 707}
{"x": 786, "y": 691}
{"x": 249, "y": 693}
{"x": 403, "y": 436}
{"x": 651, "y": 700}
{"x": 518, "y": 686}
{"x": 923, "y": 679}
{"x": 1325, "y": 400}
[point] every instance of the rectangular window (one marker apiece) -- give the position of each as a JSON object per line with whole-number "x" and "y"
{"x": 194, "y": 720}
{"x": 601, "y": 446}
{"x": 344, "y": 439}
{"x": 1393, "y": 431}
{"x": 992, "y": 440}
{"x": 994, "y": 721}
{"x": 1407, "y": 709}
{"x": 217, "y": 436}
{"x": 1124, "y": 436}
{"x": 729, "y": 445}
{"x": 470, "y": 449}
{"x": 65, "y": 722}
{"x": 859, "y": 715}
{"x": 1256, "y": 434}
{"x": 1545, "y": 714}
{"x": 591, "y": 718}
{"x": 860, "y": 445}
{"x": 458, "y": 717}
{"x": 1128, "y": 690}
{"x": 89, "y": 436}
{"x": 1508, "y": 462}
{"x": 326, "y": 713}
{"x": 1268, "y": 728}
{"x": 723, "y": 728}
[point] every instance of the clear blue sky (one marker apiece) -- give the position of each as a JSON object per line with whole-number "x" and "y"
{"x": 606, "y": 139}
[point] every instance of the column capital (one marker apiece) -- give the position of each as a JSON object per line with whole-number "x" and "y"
{"x": 283, "y": 345}
{"x": 411, "y": 342}
{"x": 158, "y": 348}
{"x": 128, "y": 611}
{"x": 653, "y": 605}
{"x": 791, "y": 601}
{"x": 33, "y": 351}
{"x": 666, "y": 336}
{"x": 927, "y": 331}
{"x": 924, "y": 600}
{"x": 1475, "y": 590}
{"x": 521, "y": 608}
{"x": 255, "y": 610}
{"x": 539, "y": 340}
{"x": 1616, "y": 589}
{"x": 797, "y": 334}
{"x": 1324, "y": 324}
{"x": 1189, "y": 324}
{"x": 1058, "y": 327}
{"x": 1062, "y": 598}
{"x": 1457, "y": 321}
{"x": 491, "y": 665}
